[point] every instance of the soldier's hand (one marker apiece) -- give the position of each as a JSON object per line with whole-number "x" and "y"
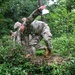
{"x": 22, "y": 28}
{"x": 28, "y": 55}
{"x": 42, "y": 7}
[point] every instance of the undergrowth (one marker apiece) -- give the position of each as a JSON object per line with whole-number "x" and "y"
{"x": 13, "y": 62}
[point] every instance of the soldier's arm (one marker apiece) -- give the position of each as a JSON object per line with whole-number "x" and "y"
{"x": 34, "y": 14}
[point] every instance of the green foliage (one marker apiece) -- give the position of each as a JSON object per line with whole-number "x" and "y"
{"x": 39, "y": 52}
{"x": 12, "y": 61}
{"x": 64, "y": 45}
{"x": 14, "y": 10}
{"x": 17, "y": 9}
{"x": 67, "y": 68}
{"x": 59, "y": 20}
{"x": 70, "y": 5}
{"x": 9, "y": 53}
{"x": 5, "y": 26}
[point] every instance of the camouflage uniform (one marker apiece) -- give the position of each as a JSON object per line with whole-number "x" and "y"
{"x": 42, "y": 30}
{"x": 17, "y": 34}
{"x": 23, "y": 37}
{"x": 39, "y": 29}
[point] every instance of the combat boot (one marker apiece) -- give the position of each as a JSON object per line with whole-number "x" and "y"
{"x": 47, "y": 53}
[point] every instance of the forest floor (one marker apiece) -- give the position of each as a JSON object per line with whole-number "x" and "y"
{"x": 57, "y": 59}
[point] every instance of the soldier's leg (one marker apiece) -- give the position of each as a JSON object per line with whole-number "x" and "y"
{"x": 13, "y": 36}
{"x": 29, "y": 49}
{"x": 36, "y": 43}
{"x": 47, "y": 38}
{"x": 33, "y": 43}
{"x": 18, "y": 39}
{"x": 35, "y": 40}
{"x": 30, "y": 52}
{"x": 40, "y": 46}
{"x": 49, "y": 48}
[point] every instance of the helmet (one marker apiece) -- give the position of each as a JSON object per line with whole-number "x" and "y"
{"x": 24, "y": 19}
{"x": 17, "y": 25}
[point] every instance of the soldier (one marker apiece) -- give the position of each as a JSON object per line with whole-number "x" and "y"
{"x": 27, "y": 32}
{"x": 28, "y": 21}
{"x": 16, "y": 35}
{"x": 24, "y": 41}
{"x": 41, "y": 30}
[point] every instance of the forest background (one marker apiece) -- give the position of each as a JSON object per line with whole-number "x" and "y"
{"x": 61, "y": 20}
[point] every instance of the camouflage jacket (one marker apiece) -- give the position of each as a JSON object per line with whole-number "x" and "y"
{"x": 29, "y": 20}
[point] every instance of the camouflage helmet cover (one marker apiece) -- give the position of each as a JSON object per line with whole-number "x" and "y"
{"x": 17, "y": 25}
{"x": 24, "y": 19}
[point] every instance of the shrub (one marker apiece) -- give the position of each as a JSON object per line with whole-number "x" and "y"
{"x": 12, "y": 61}
{"x": 64, "y": 45}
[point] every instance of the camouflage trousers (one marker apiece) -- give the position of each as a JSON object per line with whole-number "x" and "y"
{"x": 30, "y": 43}
{"x": 47, "y": 39}
{"x": 36, "y": 40}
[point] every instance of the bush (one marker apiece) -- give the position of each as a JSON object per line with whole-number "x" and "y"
{"x": 60, "y": 21}
{"x": 5, "y": 26}
{"x": 16, "y": 9}
{"x": 12, "y": 61}
{"x": 67, "y": 68}
{"x": 9, "y": 53}
{"x": 64, "y": 45}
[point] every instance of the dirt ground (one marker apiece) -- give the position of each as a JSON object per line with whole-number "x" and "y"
{"x": 53, "y": 59}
